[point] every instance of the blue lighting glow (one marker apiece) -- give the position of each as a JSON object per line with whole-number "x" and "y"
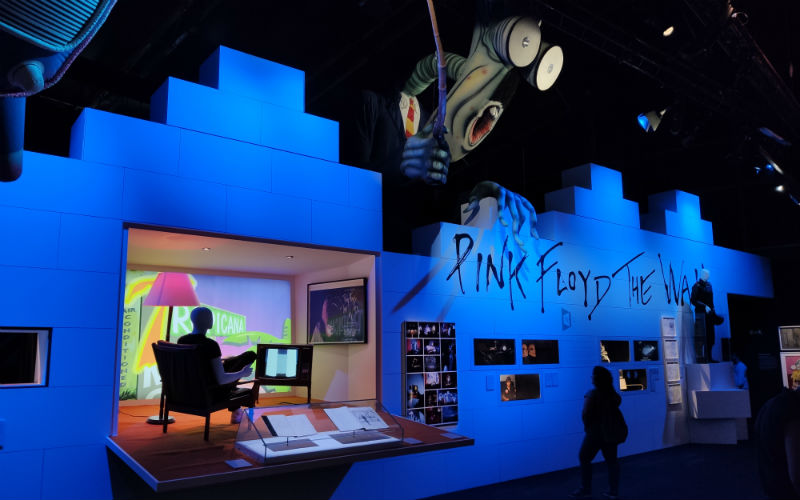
{"x": 643, "y": 122}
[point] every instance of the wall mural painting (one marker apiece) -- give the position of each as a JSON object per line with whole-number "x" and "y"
{"x": 430, "y": 379}
{"x": 247, "y": 312}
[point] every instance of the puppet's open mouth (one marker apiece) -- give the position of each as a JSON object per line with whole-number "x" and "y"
{"x": 482, "y": 124}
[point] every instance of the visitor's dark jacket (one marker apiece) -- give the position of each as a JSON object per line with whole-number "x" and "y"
{"x": 596, "y": 403}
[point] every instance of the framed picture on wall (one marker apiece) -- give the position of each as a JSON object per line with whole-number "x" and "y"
{"x": 539, "y": 352}
{"x": 614, "y": 351}
{"x": 337, "y": 312}
{"x": 520, "y": 386}
{"x": 790, "y": 369}
{"x": 789, "y": 337}
{"x": 645, "y": 350}
{"x": 633, "y": 380}
{"x": 494, "y": 351}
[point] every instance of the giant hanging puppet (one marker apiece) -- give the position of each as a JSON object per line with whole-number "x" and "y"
{"x": 393, "y": 135}
{"x": 39, "y": 41}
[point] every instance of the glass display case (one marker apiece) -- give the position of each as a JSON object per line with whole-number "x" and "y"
{"x": 289, "y": 433}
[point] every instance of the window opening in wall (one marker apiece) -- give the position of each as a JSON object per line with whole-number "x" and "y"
{"x": 24, "y": 356}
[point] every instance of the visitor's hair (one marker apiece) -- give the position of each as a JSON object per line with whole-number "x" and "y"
{"x": 602, "y": 378}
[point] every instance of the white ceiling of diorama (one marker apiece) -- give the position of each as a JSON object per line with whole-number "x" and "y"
{"x": 155, "y": 249}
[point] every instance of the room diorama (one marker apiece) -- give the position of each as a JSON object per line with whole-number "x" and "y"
{"x": 467, "y": 355}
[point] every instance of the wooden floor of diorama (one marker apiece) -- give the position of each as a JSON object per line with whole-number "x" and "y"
{"x": 182, "y": 456}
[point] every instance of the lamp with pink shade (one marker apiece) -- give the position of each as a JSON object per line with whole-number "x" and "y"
{"x": 170, "y": 289}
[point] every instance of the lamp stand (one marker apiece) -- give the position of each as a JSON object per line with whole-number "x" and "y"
{"x": 159, "y": 419}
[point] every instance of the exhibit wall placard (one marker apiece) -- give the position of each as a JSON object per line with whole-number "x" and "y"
{"x": 430, "y": 380}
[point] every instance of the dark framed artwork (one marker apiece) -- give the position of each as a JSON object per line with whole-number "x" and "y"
{"x": 494, "y": 352}
{"x": 633, "y": 380}
{"x": 789, "y": 337}
{"x": 539, "y": 352}
{"x": 614, "y": 351}
{"x": 337, "y": 312}
{"x": 520, "y": 386}
{"x": 645, "y": 350}
{"x": 430, "y": 380}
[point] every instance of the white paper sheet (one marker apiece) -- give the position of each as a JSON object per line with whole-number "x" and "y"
{"x": 350, "y": 419}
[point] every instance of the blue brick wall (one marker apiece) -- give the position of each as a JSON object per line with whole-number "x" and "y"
{"x": 521, "y": 438}
{"x": 207, "y": 162}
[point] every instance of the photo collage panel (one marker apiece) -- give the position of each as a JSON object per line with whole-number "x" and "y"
{"x": 431, "y": 380}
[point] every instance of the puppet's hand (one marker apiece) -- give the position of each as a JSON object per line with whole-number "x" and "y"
{"x": 520, "y": 208}
{"x": 426, "y": 158}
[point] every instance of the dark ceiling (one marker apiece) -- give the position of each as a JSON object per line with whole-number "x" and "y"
{"x": 724, "y": 73}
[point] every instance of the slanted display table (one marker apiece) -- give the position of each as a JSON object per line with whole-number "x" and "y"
{"x": 285, "y": 434}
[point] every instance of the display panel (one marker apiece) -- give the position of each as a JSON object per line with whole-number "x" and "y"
{"x": 633, "y": 380}
{"x": 539, "y": 352}
{"x": 613, "y": 351}
{"x": 671, "y": 350}
{"x": 790, "y": 369}
{"x": 430, "y": 378}
{"x": 519, "y": 387}
{"x": 645, "y": 350}
{"x": 494, "y": 351}
{"x": 337, "y": 312}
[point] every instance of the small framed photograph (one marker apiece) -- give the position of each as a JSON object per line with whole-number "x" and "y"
{"x": 520, "y": 386}
{"x": 539, "y": 352}
{"x": 789, "y": 338}
{"x": 494, "y": 352}
{"x": 633, "y": 380}
{"x": 790, "y": 369}
{"x": 671, "y": 349}
{"x": 645, "y": 350}
{"x": 614, "y": 351}
{"x": 337, "y": 312}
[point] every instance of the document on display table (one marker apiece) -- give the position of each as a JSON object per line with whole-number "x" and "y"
{"x": 289, "y": 425}
{"x": 351, "y": 419}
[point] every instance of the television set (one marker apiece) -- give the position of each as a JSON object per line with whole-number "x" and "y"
{"x": 284, "y": 364}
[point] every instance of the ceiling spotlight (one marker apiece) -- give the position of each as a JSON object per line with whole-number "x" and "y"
{"x": 206, "y": 249}
{"x": 779, "y": 188}
{"x": 289, "y": 257}
{"x": 651, "y": 120}
{"x": 669, "y": 31}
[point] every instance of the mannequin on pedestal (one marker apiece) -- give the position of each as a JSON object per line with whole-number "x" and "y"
{"x": 705, "y": 318}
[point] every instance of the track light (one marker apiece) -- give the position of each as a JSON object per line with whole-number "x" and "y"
{"x": 668, "y": 32}
{"x": 780, "y": 188}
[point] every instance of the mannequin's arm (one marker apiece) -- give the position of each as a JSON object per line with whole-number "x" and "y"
{"x": 224, "y": 377}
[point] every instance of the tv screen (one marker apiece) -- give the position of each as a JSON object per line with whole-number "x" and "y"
{"x": 284, "y": 364}
{"x": 281, "y": 362}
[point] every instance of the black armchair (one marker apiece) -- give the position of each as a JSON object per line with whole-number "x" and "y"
{"x": 185, "y": 383}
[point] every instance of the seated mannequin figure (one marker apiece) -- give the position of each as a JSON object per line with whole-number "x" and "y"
{"x": 226, "y": 372}
{"x": 702, "y": 298}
